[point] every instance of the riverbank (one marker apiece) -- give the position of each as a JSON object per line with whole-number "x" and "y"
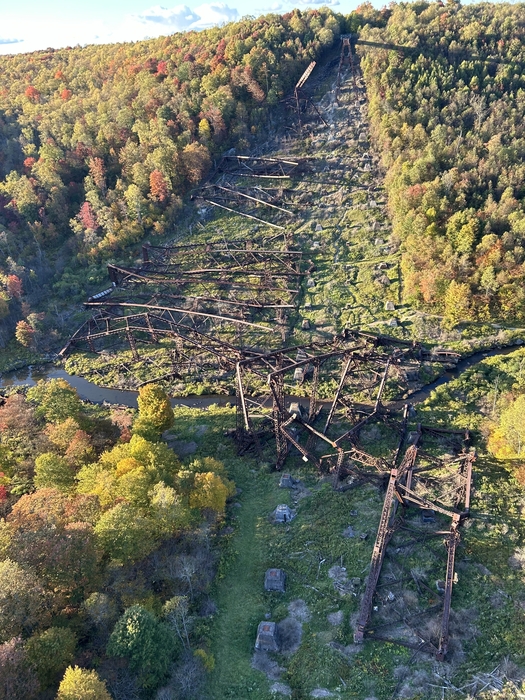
{"x": 88, "y": 391}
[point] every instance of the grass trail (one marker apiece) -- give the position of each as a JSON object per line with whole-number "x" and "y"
{"x": 240, "y": 593}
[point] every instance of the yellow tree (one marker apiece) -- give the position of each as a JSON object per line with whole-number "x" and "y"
{"x": 457, "y": 304}
{"x": 155, "y": 412}
{"x": 81, "y": 684}
{"x": 210, "y": 492}
{"x": 508, "y": 440}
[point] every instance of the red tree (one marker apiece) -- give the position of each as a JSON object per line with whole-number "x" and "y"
{"x": 162, "y": 68}
{"x": 32, "y": 93}
{"x": 158, "y": 186}
{"x": 86, "y": 216}
{"x": 28, "y": 163}
{"x": 14, "y": 286}
{"x": 18, "y": 415}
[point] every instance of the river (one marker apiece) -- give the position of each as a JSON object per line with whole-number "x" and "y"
{"x": 97, "y": 394}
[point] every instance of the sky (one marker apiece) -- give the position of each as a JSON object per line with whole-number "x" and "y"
{"x": 31, "y": 25}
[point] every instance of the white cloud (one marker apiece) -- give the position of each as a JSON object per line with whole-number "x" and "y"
{"x": 158, "y": 20}
{"x": 42, "y": 32}
{"x": 211, "y": 15}
{"x": 325, "y": 3}
{"x": 175, "y": 19}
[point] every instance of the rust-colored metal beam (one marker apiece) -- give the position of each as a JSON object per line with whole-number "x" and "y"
{"x": 384, "y": 533}
{"x": 304, "y": 77}
{"x": 451, "y": 543}
{"x": 242, "y": 213}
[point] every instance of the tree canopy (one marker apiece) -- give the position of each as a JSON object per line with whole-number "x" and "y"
{"x": 101, "y": 144}
{"x": 446, "y": 105}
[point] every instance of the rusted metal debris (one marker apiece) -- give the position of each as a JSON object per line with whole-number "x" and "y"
{"x": 347, "y": 59}
{"x": 229, "y": 188}
{"x": 220, "y": 305}
{"x": 410, "y": 485}
{"x": 261, "y": 167}
{"x": 366, "y": 366}
{"x": 301, "y": 101}
{"x": 362, "y": 365}
{"x": 220, "y": 300}
{"x": 242, "y": 292}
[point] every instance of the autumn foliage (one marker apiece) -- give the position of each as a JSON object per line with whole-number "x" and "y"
{"x": 104, "y": 142}
{"x": 82, "y": 511}
{"x": 447, "y": 118}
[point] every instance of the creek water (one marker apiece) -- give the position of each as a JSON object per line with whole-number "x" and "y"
{"x": 97, "y": 394}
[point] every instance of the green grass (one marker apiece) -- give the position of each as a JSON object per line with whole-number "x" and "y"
{"x": 240, "y": 596}
{"x": 14, "y": 356}
{"x": 306, "y": 548}
{"x": 488, "y": 598}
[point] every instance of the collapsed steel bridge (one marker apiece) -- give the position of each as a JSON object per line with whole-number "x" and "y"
{"x": 238, "y": 185}
{"x": 435, "y": 486}
{"x": 225, "y": 305}
{"x": 366, "y": 374}
{"x": 371, "y": 371}
{"x": 218, "y": 301}
{"x": 359, "y": 366}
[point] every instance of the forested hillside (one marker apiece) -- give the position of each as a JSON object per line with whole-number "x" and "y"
{"x": 98, "y": 145}
{"x": 105, "y": 545}
{"x": 447, "y": 102}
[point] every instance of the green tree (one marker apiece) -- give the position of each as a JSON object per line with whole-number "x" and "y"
{"x": 55, "y": 400}
{"x": 81, "y": 684}
{"x": 167, "y": 510}
{"x": 146, "y": 643}
{"x": 50, "y": 652}
{"x": 53, "y": 471}
{"x": 101, "y": 611}
{"x": 23, "y": 603}
{"x": 66, "y": 558}
{"x": 124, "y": 534}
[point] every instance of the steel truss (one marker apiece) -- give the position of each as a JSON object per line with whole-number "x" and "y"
{"x": 436, "y": 486}
{"x": 220, "y": 303}
{"x": 301, "y": 101}
{"x": 261, "y": 167}
{"x": 363, "y": 367}
{"x": 347, "y": 59}
{"x": 369, "y": 369}
{"x": 226, "y": 195}
{"x": 238, "y": 186}
{"x": 229, "y": 299}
